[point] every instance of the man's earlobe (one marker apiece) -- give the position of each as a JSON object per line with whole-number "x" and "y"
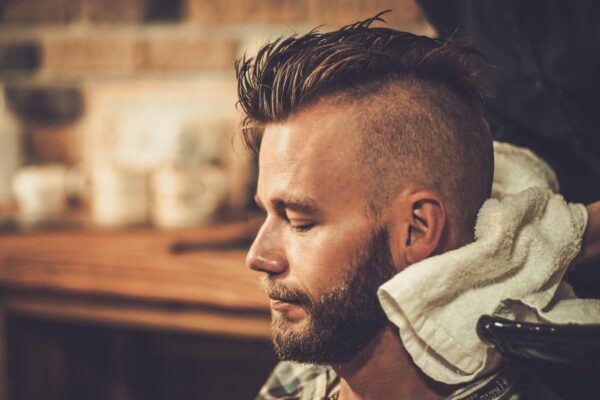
{"x": 425, "y": 226}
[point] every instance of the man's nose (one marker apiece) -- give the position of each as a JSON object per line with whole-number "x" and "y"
{"x": 266, "y": 254}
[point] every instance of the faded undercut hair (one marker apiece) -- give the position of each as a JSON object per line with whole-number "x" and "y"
{"x": 415, "y": 101}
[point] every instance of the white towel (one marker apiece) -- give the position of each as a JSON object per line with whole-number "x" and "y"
{"x": 525, "y": 239}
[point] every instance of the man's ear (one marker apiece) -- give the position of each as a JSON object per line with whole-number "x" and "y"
{"x": 425, "y": 226}
{"x": 420, "y": 224}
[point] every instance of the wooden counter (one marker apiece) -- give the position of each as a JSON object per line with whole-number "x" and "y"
{"x": 131, "y": 278}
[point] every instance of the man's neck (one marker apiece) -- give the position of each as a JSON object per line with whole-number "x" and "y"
{"x": 384, "y": 370}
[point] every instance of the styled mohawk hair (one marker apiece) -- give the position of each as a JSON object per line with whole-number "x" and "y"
{"x": 291, "y": 73}
{"x": 414, "y": 104}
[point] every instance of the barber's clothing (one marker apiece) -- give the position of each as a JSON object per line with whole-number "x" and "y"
{"x": 308, "y": 382}
{"x": 544, "y": 87}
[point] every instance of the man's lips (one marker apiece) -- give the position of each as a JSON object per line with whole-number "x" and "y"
{"x": 282, "y": 304}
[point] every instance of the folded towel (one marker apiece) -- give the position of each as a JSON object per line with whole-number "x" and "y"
{"x": 517, "y": 168}
{"x": 525, "y": 239}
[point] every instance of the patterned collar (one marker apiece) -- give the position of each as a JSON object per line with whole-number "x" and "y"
{"x": 309, "y": 382}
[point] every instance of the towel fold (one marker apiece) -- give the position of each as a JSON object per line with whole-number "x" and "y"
{"x": 525, "y": 239}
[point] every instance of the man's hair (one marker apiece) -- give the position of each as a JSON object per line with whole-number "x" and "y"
{"x": 416, "y": 102}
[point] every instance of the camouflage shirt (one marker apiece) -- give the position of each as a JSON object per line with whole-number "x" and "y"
{"x": 309, "y": 382}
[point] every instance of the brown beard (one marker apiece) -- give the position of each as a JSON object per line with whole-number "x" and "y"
{"x": 344, "y": 320}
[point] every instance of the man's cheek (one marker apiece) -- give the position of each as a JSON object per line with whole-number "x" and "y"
{"x": 307, "y": 258}
{"x": 317, "y": 261}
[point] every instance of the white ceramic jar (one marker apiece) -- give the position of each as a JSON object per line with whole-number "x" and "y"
{"x": 10, "y": 150}
{"x": 40, "y": 192}
{"x": 120, "y": 197}
{"x": 187, "y": 195}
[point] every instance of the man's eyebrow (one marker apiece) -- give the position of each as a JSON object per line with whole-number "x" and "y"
{"x": 293, "y": 203}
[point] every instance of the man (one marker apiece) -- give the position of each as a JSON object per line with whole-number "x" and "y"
{"x": 374, "y": 155}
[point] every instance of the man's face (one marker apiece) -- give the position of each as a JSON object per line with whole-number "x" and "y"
{"x": 323, "y": 257}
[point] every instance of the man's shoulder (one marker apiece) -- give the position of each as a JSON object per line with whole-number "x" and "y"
{"x": 291, "y": 380}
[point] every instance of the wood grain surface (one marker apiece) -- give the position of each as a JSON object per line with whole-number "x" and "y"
{"x": 133, "y": 277}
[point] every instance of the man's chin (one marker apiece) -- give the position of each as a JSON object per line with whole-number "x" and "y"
{"x": 303, "y": 346}
{"x": 285, "y": 324}
{"x": 302, "y": 341}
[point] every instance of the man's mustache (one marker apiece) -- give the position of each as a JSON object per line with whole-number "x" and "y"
{"x": 278, "y": 290}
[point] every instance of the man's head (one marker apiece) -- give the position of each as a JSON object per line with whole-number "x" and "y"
{"x": 374, "y": 154}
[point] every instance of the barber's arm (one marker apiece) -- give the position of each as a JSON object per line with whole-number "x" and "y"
{"x": 590, "y": 247}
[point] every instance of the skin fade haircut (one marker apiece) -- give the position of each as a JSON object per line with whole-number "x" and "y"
{"x": 414, "y": 101}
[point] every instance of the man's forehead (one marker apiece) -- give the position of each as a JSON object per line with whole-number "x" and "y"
{"x": 312, "y": 152}
{"x": 322, "y": 133}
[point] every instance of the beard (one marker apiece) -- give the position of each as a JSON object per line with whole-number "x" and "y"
{"x": 341, "y": 322}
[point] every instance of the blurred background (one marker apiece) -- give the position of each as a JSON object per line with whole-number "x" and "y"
{"x": 119, "y": 105}
{"x": 125, "y": 191}
{"x": 125, "y": 194}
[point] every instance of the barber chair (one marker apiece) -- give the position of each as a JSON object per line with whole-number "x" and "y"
{"x": 565, "y": 357}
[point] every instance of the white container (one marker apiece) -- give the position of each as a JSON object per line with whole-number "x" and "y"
{"x": 40, "y": 192}
{"x": 10, "y": 150}
{"x": 120, "y": 197}
{"x": 186, "y": 196}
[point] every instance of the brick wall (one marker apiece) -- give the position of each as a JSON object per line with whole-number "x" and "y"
{"x": 78, "y": 72}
